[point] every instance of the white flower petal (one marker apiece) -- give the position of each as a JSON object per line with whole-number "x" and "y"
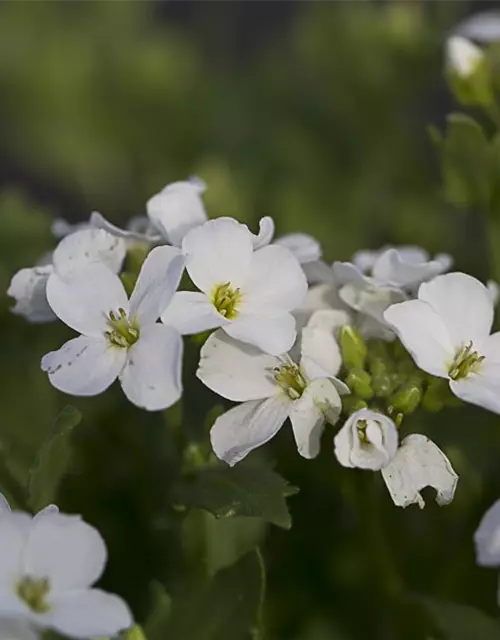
{"x": 88, "y": 246}
{"x": 320, "y": 402}
{"x": 494, "y": 291}
{"x": 487, "y": 538}
{"x": 266, "y": 233}
{"x": 14, "y": 529}
{"x": 368, "y": 440}
{"x": 235, "y": 370}
{"x": 321, "y": 347}
{"x": 424, "y": 335}
{"x": 248, "y": 426}
{"x": 303, "y": 246}
{"x": 345, "y": 272}
{"x": 318, "y": 272}
{"x": 66, "y": 550}
{"x": 419, "y": 463}
{"x": 276, "y": 282}
{"x": 28, "y": 288}
{"x": 369, "y": 299}
{"x": 151, "y": 378}
{"x": 89, "y": 613}
{"x": 192, "y": 312}
{"x": 99, "y": 222}
{"x": 392, "y": 268}
{"x": 464, "y": 305}
{"x": 84, "y": 301}
{"x": 4, "y": 505}
{"x": 462, "y": 56}
{"x": 158, "y": 280}
{"x": 273, "y": 334}
{"x": 84, "y": 366}
{"x": 14, "y": 629}
{"x": 177, "y": 209}
{"x": 484, "y": 26}
{"x": 218, "y": 252}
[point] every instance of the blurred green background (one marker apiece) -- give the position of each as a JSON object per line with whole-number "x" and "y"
{"x": 314, "y": 113}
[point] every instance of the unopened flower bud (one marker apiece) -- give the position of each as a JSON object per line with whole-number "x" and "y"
{"x": 351, "y": 404}
{"x": 360, "y": 383}
{"x": 135, "y": 633}
{"x": 407, "y": 399}
{"x": 352, "y": 347}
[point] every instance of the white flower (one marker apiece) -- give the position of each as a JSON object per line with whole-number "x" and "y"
{"x": 15, "y": 629}
{"x": 402, "y": 267}
{"x": 48, "y": 564}
{"x": 368, "y": 440}
{"x": 487, "y": 538}
{"x": 120, "y": 338}
{"x": 447, "y": 332}
{"x": 74, "y": 252}
{"x": 272, "y": 389}
{"x": 462, "y": 56}
{"x": 494, "y": 291}
{"x": 484, "y": 26}
{"x": 250, "y": 294}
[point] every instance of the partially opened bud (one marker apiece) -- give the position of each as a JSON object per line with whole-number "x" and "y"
{"x": 353, "y": 348}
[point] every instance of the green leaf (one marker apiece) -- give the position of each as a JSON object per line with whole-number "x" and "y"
{"x": 466, "y": 162}
{"x": 244, "y": 490}
{"x": 226, "y": 607}
{"x": 52, "y": 460}
{"x": 158, "y": 618}
{"x": 461, "y": 622}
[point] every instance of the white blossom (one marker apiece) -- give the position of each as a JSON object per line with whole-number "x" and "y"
{"x": 48, "y": 564}
{"x": 462, "y": 56}
{"x": 250, "y": 294}
{"x": 120, "y": 337}
{"x": 487, "y": 538}
{"x": 368, "y": 440}
{"x": 16, "y": 629}
{"x": 271, "y": 389}
{"x": 494, "y": 291}
{"x": 419, "y": 463}
{"x": 447, "y": 332}
{"x": 483, "y": 27}
{"x": 76, "y": 251}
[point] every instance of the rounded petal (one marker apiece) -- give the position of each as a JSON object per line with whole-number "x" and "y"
{"x": 28, "y": 288}
{"x": 248, "y": 426}
{"x": 219, "y": 251}
{"x": 273, "y": 334}
{"x": 368, "y": 440}
{"x": 177, "y": 209}
{"x": 483, "y": 26}
{"x": 320, "y": 346}
{"x": 86, "y": 247}
{"x": 345, "y": 272}
{"x": 392, "y": 268}
{"x": 370, "y": 299}
{"x": 266, "y": 233}
{"x": 85, "y": 300}
{"x": 318, "y": 272}
{"x": 4, "y": 505}
{"x": 89, "y": 613}
{"x": 276, "y": 282}
{"x": 158, "y": 280}
{"x": 84, "y": 366}
{"x": 235, "y": 370}
{"x": 192, "y": 312}
{"x": 462, "y": 56}
{"x": 304, "y": 247}
{"x": 66, "y": 550}
{"x": 14, "y": 530}
{"x": 17, "y": 629}
{"x": 419, "y": 463}
{"x": 464, "y": 305}
{"x": 494, "y": 291}
{"x": 151, "y": 378}
{"x": 487, "y": 538}
{"x": 424, "y": 335}
{"x": 99, "y": 222}
{"x": 319, "y": 403}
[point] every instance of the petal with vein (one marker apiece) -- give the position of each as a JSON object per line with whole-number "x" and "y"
{"x": 192, "y": 312}
{"x": 86, "y": 247}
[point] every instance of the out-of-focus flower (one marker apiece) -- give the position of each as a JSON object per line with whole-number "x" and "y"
{"x": 447, "y": 332}
{"x": 15, "y": 629}
{"x": 120, "y": 338}
{"x": 271, "y": 389}
{"x": 483, "y": 27}
{"x": 463, "y": 57}
{"x": 487, "y": 538}
{"x": 48, "y": 564}
{"x": 250, "y": 294}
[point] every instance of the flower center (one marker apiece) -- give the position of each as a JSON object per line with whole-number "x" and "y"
{"x": 466, "y": 361}
{"x": 226, "y": 300}
{"x": 123, "y": 332}
{"x": 34, "y": 591}
{"x": 361, "y": 428}
{"x": 290, "y": 379}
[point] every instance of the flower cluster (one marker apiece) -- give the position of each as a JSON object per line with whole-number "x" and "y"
{"x": 362, "y": 344}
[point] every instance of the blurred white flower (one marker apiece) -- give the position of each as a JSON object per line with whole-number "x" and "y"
{"x": 15, "y": 629}
{"x": 250, "y": 294}
{"x": 74, "y": 252}
{"x": 419, "y": 463}
{"x": 271, "y": 389}
{"x": 447, "y": 332}
{"x": 494, "y": 291}
{"x": 483, "y": 27}
{"x": 48, "y": 564}
{"x": 368, "y": 440}
{"x": 487, "y": 538}
{"x": 462, "y": 56}
{"x": 120, "y": 338}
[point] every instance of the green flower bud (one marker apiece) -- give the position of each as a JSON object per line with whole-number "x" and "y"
{"x": 352, "y": 347}
{"x": 360, "y": 383}
{"x": 407, "y": 399}
{"x": 351, "y": 404}
{"x": 135, "y": 633}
